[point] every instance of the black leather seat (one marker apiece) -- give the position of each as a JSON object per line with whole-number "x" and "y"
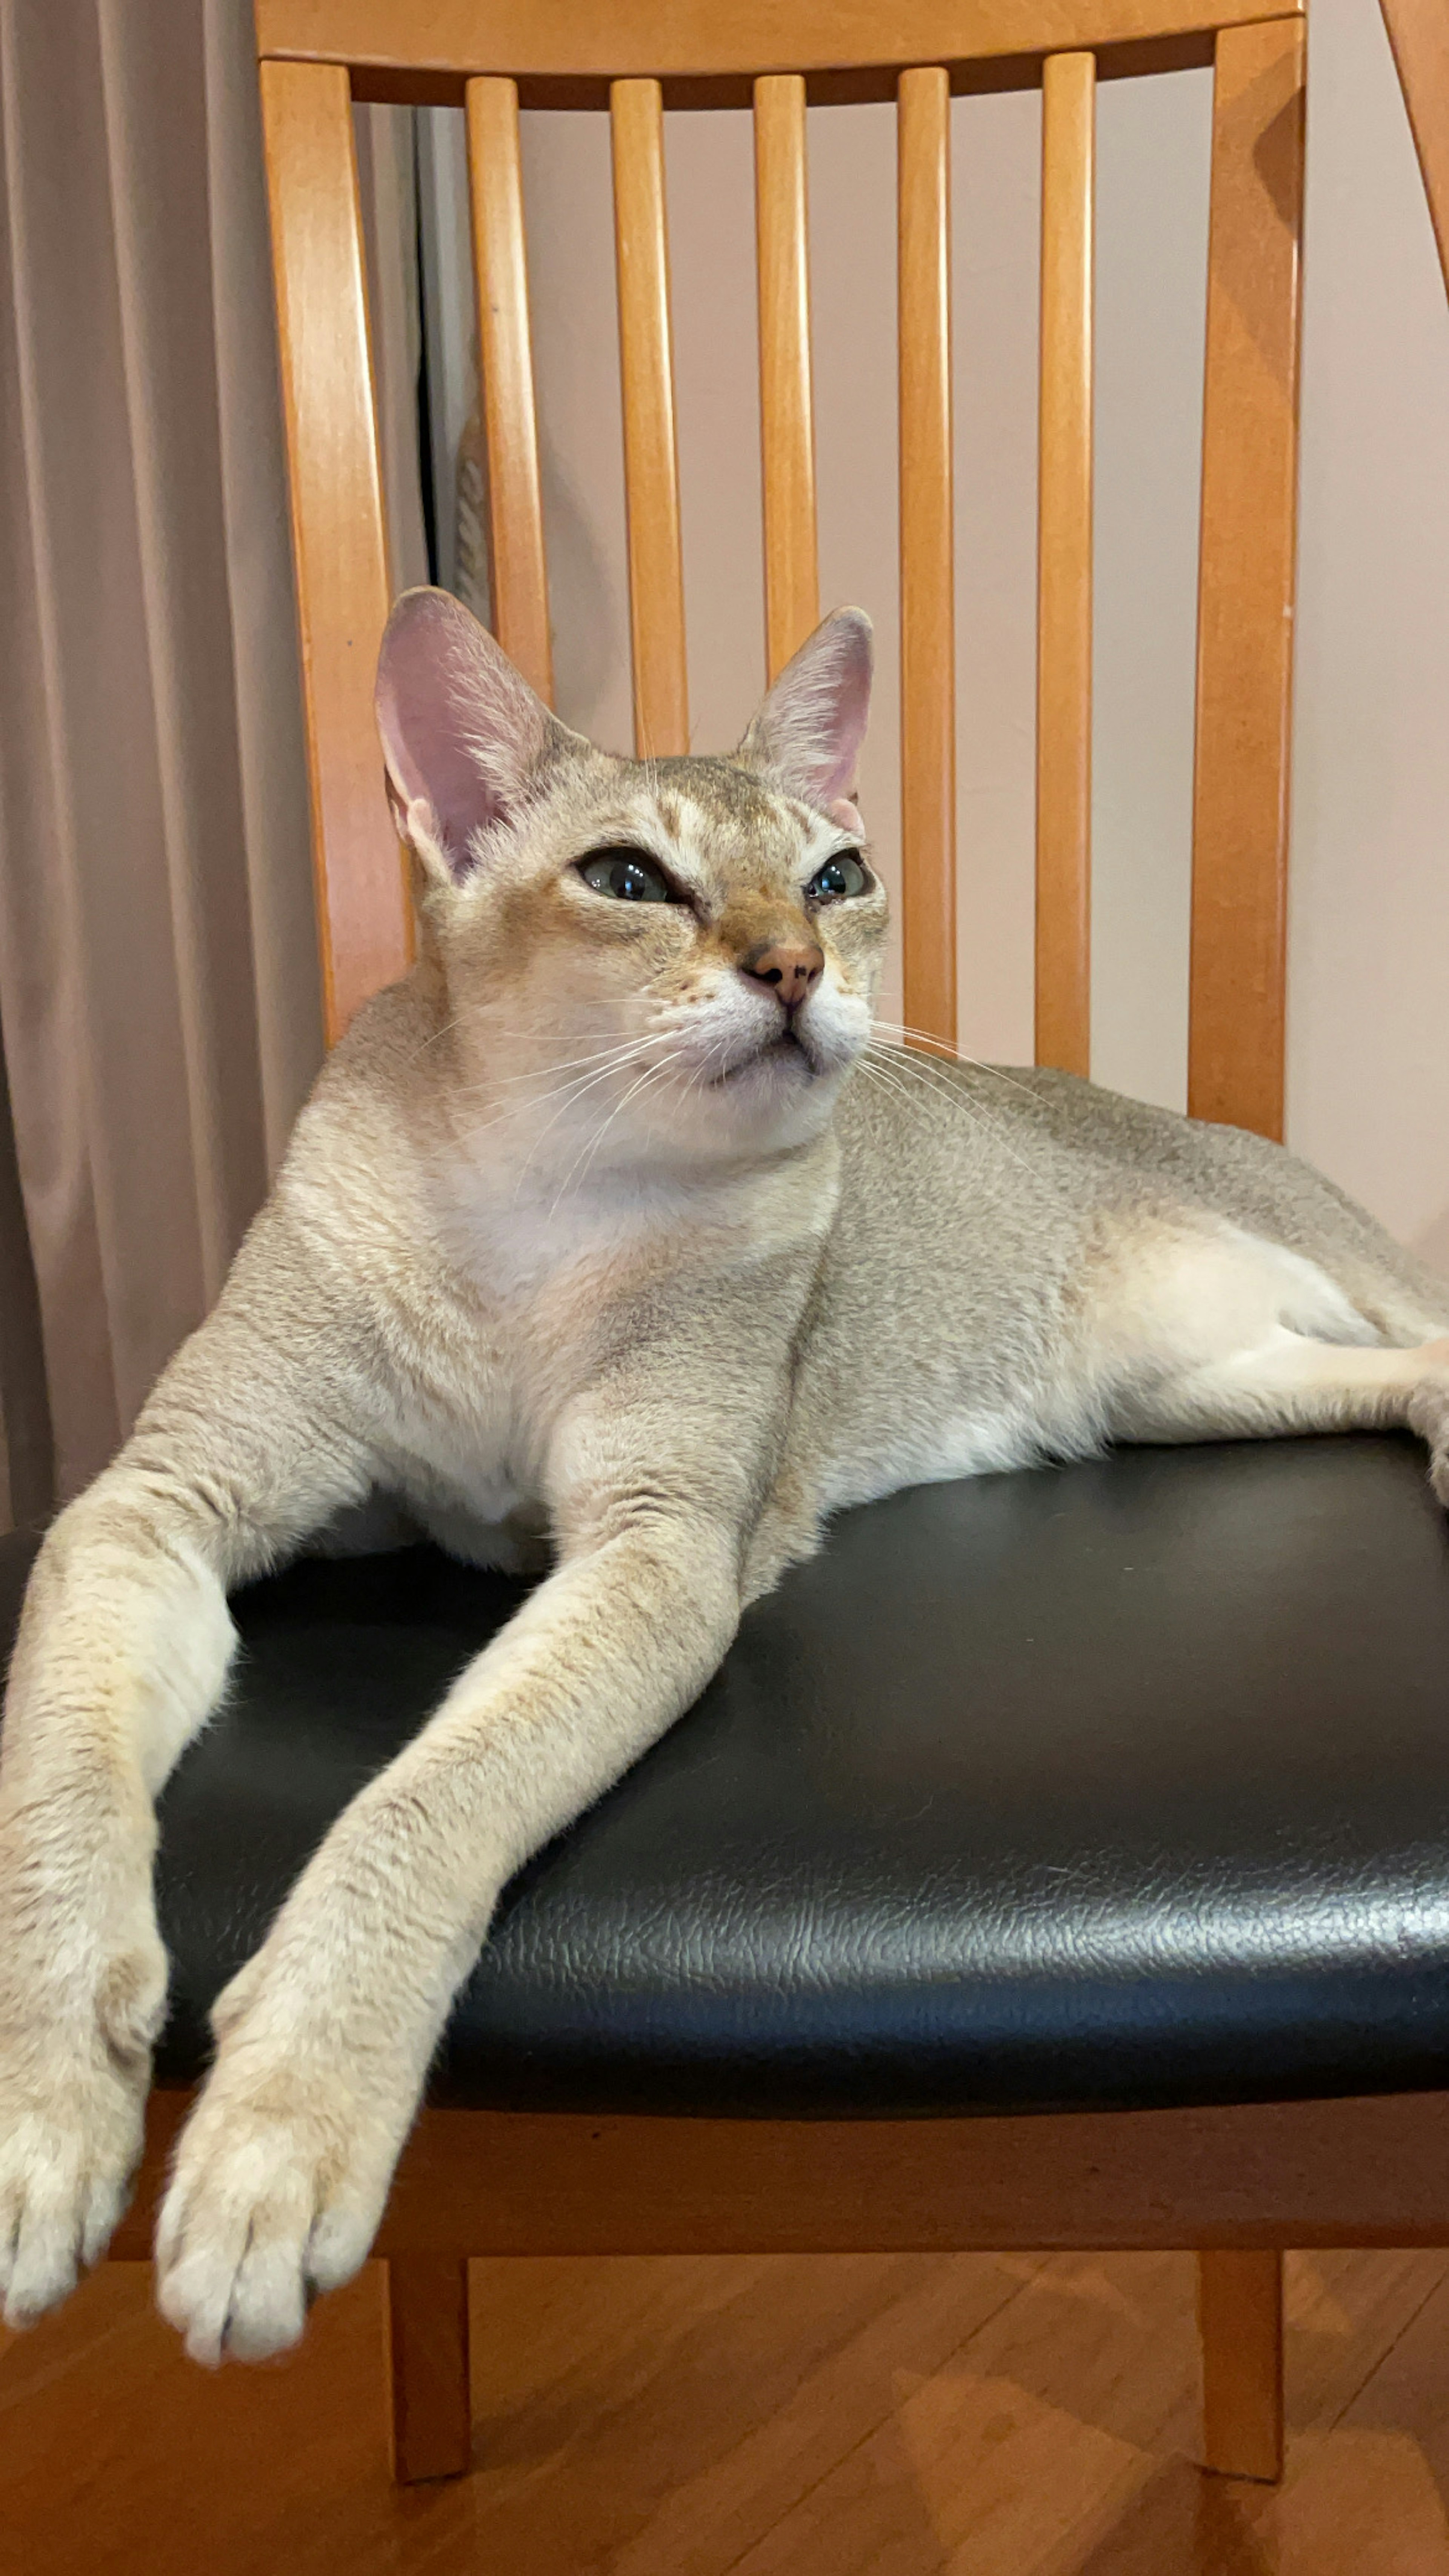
{"x": 1117, "y": 1784}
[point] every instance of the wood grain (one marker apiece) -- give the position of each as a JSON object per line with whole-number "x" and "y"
{"x": 430, "y": 2396}
{"x": 787, "y": 417}
{"x": 1419, "y": 35}
{"x": 1245, "y": 582}
{"x": 696, "y": 2416}
{"x": 1240, "y": 2323}
{"x": 1257, "y": 2175}
{"x": 364, "y": 918}
{"x": 928, "y": 546}
{"x": 518, "y": 570}
{"x": 664, "y": 39}
{"x": 651, "y": 464}
{"x": 1064, "y": 568}
{"x": 1371, "y": 2171}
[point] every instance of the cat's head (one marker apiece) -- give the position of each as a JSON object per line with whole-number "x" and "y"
{"x": 685, "y": 948}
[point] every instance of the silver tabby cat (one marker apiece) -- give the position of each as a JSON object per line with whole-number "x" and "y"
{"x": 609, "y": 1226}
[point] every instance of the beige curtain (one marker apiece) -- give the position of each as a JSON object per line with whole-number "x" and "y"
{"x": 158, "y": 976}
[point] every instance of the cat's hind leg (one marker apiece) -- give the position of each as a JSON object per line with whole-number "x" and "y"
{"x": 1291, "y": 1384}
{"x": 1217, "y": 1334}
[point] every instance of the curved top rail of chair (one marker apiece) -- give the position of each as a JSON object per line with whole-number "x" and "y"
{"x": 709, "y": 52}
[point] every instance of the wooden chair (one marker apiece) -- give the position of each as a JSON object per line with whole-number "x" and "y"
{"x": 1240, "y": 2178}
{"x": 1419, "y": 35}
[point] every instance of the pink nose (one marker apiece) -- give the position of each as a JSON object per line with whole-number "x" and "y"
{"x": 789, "y": 972}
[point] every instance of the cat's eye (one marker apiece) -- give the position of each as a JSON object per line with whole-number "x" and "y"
{"x": 841, "y": 876}
{"x": 627, "y": 875}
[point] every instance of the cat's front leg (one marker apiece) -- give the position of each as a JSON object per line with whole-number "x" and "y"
{"x": 326, "y": 2035}
{"x": 123, "y": 1650}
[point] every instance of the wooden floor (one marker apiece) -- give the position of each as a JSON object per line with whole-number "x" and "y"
{"x": 987, "y": 2415}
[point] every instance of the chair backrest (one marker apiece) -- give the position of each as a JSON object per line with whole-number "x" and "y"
{"x": 634, "y": 58}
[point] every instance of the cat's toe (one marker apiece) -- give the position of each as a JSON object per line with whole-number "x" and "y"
{"x": 267, "y": 2204}
{"x": 66, "y": 2164}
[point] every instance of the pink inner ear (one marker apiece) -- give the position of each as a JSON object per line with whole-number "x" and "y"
{"x": 460, "y": 728}
{"x": 841, "y": 811}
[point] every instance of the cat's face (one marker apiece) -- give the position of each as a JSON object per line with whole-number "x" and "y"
{"x": 657, "y": 960}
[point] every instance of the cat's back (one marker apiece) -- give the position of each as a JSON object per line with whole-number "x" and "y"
{"x": 942, "y": 1157}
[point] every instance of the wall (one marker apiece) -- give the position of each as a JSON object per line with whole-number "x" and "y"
{"x": 1369, "y": 950}
{"x": 1369, "y": 985}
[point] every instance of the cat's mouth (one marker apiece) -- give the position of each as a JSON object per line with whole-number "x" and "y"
{"x": 786, "y": 1053}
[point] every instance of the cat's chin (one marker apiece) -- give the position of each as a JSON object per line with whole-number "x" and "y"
{"x": 781, "y": 1096}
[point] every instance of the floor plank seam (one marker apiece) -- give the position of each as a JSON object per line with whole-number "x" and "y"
{"x": 1331, "y": 2424}
{"x": 1017, "y": 2292}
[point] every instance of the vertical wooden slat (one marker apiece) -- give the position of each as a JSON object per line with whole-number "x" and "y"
{"x": 787, "y": 419}
{"x": 928, "y": 640}
{"x": 651, "y": 464}
{"x": 1240, "y": 2323}
{"x": 428, "y": 2377}
{"x": 1064, "y": 568}
{"x": 1419, "y": 35}
{"x": 1245, "y": 580}
{"x": 518, "y": 569}
{"x": 364, "y": 918}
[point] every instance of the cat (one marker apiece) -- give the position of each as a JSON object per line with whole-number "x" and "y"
{"x": 611, "y": 1222}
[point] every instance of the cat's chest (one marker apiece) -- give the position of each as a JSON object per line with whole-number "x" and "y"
{"x": 467, "y": 1399}
{"x": 508, "y": 1321}
{"x": 515, "y": 1322}
{"x": 481, "y": 1373}
{"x": 467, "y": 1452}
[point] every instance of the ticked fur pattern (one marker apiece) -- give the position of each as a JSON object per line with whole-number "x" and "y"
{"x": 616, "y": 1241}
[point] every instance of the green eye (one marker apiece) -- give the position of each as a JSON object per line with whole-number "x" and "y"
{"x": 842, "y": 876}
{"x": 626, "y": 875}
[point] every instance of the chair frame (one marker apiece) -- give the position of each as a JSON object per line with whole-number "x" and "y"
{"x": 1419, "y": 37}
{"x": 1240, "y": 2182}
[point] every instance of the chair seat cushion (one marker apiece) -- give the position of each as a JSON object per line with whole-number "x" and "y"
{"x": 1115, "y": 1784}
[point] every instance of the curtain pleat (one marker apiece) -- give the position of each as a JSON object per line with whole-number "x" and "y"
{"x": 158, "y": 973}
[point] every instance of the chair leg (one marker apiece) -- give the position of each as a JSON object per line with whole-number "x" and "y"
{"x": 1240, "y": 2321}
{"x": 427, "y": 2335}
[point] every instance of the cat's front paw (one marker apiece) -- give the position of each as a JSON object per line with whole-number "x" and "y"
{"x": 75, "y": 2068}
{"x": 68, "y": 2152}
{"x": 278, "y": 2187}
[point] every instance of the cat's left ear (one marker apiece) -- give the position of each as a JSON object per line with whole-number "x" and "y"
{"x": 463, "y": 734}
{"x": 810, "y": 729}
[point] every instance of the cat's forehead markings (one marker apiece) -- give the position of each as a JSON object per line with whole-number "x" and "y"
{"x": 809, "y": 818}
{"x": 721, "y": 793}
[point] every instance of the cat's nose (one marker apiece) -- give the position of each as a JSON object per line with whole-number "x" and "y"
{"x": 790, "y": 972}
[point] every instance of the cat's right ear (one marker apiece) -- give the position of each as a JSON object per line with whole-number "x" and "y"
{"x": 462, "y": 732}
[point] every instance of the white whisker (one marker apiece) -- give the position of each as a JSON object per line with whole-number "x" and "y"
{"x": 565, "y": 1092}
{"x": 907, "y": 1067}
{"x": 577, "y": 1091}
{"x": 590, "y": 1151}
{"x": 545, "y": 1072}
{"x": 937, "y": 1048}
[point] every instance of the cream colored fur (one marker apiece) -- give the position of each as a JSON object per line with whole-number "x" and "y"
{"x": 574, "y": 1238}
